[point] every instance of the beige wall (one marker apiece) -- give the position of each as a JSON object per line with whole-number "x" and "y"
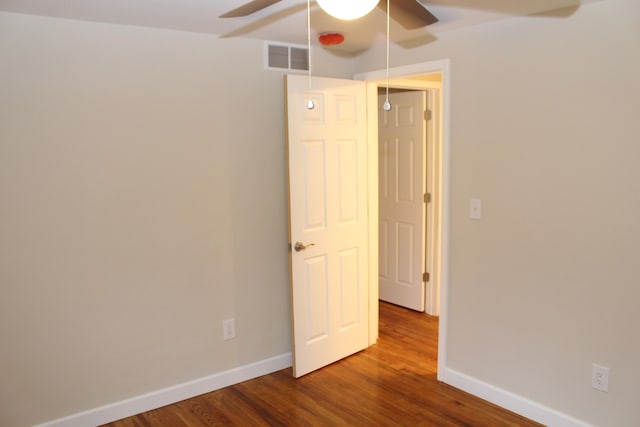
{"x": 546, "y": 131}
{"x": 142, "y": 201}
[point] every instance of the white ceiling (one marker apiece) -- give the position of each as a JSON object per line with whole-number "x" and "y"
{"x": 286, "y": 21}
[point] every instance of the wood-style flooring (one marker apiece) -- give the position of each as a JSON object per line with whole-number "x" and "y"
{"x": 392, "y": 383}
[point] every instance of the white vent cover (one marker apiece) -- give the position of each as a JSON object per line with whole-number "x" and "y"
{"x": 286, "y": 57}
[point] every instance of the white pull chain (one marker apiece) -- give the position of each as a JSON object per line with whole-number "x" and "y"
{"x": 310, "y": 104}
{"x": 387, "y": 105}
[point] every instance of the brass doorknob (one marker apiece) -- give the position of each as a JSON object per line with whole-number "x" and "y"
{"x": 299, "y": 246}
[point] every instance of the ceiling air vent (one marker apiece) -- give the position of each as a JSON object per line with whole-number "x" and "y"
{"x": 286, "y": 57}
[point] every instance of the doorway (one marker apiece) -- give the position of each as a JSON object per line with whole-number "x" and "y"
{"x": 421, "y": 77}
{"x": 365, "y": 120}
{"x": 431, "y": 85}
{"x": 403, "y": 197}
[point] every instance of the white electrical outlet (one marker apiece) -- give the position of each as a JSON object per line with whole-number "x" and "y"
{"x": 600, "y": 377}
{"x": 228, "y": 329}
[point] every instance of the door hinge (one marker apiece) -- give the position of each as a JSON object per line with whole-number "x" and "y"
{"x": 427, "y": 197}
{"x": 427, "y": 114}
{"x": 425, "y": 277}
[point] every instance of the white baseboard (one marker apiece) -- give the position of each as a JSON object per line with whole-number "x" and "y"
{"x": 513, "y": 402}
{"x": 146, "y": 402}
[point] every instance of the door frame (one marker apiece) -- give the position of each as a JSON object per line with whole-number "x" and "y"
{"x": 441, "y": 193}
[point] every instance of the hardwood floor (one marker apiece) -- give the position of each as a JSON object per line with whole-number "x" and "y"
{"x": 392, "y": 383}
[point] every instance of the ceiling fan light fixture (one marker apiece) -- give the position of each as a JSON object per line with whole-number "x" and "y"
{"x": 347, "y": 10}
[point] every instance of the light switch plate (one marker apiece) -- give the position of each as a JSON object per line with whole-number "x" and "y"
{"x": 475, "y": 208}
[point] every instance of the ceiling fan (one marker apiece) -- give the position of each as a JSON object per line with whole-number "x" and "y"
{"x": 410, "y": 14}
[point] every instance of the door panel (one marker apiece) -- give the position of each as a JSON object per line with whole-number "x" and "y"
{"x": 402, "y": 184}
{"x": 327, "y": 183}
{"x": 314, "y": 185}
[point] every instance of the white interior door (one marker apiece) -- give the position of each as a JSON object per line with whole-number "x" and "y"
{"x": 327, "y": 182}
{"x": 402, "y": 185}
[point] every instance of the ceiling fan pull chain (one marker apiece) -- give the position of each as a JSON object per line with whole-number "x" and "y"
{"x": 387, "y": 105}
{"x": 310, "y": 104}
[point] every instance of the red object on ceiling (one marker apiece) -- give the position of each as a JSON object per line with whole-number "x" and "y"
{"x": 329, "y": 39}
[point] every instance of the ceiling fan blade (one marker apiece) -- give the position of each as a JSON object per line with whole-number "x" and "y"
{"x": 411, "y": 14}
{"x": 249, "y": 8}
